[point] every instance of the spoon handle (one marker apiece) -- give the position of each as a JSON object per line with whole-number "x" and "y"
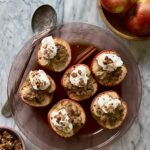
{"x": 6, "y": 109}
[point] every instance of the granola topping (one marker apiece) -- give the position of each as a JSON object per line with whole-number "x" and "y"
{"x": 8, "y": 141}
{"x": 39, "y": 80}
{"x": 79, "y": 76}
{"x": 108, "y": 104}
{"x": 109, "y": 62}
{"x": 48, "y": 48}
{"x": 62, "y": 121}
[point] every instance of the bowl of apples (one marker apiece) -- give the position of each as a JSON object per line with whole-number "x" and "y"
{"x": 129, "y": 19}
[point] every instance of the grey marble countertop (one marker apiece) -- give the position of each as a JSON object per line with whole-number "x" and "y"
{"x": 15, "y": 29}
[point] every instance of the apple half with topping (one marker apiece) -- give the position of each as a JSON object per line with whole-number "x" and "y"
{"x": 38, "y": 88}
{"x": 109, "y": 110}
{"x": 79, "y": 83}
{"x": 108, "y": 68}
{"x": 66, "y": 118}
{"x": 54, "y": 54}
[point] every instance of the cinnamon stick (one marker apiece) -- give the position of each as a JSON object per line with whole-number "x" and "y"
{"x": 84, "y": 55}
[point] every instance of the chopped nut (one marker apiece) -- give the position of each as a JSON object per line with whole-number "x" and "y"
{"x": 58, "y": 119}
{"x": 107, "y": 61}
{"x": 81, "y": 83}
{"x": 74, "y": 75}
{"x": 79, "y": 72}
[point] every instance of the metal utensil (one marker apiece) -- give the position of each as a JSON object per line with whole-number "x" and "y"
{"x": 6, "y": 110}
{"x": 44, "y": 19}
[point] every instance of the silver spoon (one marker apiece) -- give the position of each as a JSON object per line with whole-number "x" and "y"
{"x": 44, "y": 18}
{"x": 6, "y": 109}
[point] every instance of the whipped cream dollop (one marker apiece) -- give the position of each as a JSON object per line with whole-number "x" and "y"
{"x": 39, "y": 80}
{"x": 79, "y": 76}
{"x": 109, "y": 62}
{"x": 48, "y": 48}
{"x": 61, "y": 120}
{"x": 108, "y": 104}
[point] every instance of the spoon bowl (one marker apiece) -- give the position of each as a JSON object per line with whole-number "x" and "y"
{"x": 44, "y": 17}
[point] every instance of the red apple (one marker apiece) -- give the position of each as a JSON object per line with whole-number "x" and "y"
{"x": 138, "y": 18}
{"x": 117, "y": 6}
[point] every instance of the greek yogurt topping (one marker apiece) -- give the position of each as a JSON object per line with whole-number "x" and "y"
{"x": 108, "y": 104}
{"x": 109, "y": 62}
{"x": 79, "y": 76}
{"x": 61, "y": 120}
{"x": 39, "y": 80}
{"x": 48, "y": 48}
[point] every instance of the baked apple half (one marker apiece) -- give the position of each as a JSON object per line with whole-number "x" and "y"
{"x": 109, "y": 110}
{"x": 54, "y": 54}
{"x": 79, "y": 83}
{"x": 108, "y": 68}
{"x": 38, "y": 88}
{"x": 66, "y": 118}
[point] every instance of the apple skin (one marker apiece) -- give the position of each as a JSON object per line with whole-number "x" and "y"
{"x": 117, "y": 6}
{"x": 138, "y": 18}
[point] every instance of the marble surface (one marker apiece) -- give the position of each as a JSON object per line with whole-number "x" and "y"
{"x": 15, "y": 29}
